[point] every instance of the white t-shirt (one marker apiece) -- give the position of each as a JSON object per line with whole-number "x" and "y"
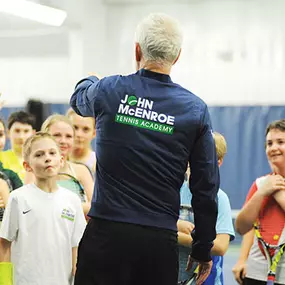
{"x": 44, "y": 227}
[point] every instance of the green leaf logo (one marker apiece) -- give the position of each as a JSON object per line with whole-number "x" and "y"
{"x": 132, "y": 100}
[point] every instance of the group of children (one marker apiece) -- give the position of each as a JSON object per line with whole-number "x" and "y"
{"x": 45, "y": 221}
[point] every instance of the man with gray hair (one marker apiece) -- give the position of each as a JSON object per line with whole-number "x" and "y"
{"x": 148, "y": 129}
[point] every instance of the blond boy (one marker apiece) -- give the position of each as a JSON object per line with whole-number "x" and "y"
{"x": 44, "y": 222}
{"x": 224, "y": 226}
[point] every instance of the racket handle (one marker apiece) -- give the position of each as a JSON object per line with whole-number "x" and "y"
{"x": 6, "y": 273}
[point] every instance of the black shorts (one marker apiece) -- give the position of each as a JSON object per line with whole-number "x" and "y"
{"x": 113, "y": 253}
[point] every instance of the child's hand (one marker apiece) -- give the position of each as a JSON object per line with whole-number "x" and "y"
{"x": 239, "y": 271}
{"x": 272, "y": 184}
{"x": 185, "y": 227}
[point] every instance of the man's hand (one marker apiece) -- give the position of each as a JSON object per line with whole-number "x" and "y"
{"x": 185, "y": 227}
{"x": 239, "y": 271}
{"x": 204, "y": 269}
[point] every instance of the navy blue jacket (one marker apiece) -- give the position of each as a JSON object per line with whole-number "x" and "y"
{"x": 147, "y": 130}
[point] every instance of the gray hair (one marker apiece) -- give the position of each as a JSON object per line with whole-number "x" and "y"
{"x": 160, "y": 39}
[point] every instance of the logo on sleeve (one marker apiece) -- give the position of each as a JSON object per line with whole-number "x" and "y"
{"x": 25, "y": 212}
{"x": 67, "y": 214}
{"x": 136, "y": 111}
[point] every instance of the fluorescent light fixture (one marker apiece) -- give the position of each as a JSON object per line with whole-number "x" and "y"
{"x": 33, "y": 11}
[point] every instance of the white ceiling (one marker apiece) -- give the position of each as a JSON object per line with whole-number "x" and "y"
{"x": 75, "y": 12}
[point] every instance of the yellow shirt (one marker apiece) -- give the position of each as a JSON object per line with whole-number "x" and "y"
{"x": 11, "y": 161}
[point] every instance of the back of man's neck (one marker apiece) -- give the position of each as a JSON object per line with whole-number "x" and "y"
{"x": 157, "y": 68}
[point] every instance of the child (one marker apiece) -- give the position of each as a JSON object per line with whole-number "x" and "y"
{"x": 20, "y": 127}
{"x": 224, "y": 227}
{"x": 62, "y": 130}
{"x": 265, "y": 202}
{"x": 43, "y": 221}
{"x": 9, "y": 180}
{"x": 84, "y": 133}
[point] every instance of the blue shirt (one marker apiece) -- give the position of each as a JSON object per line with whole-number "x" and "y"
{"x": 224, "y": 226}
{"x": 147, "y": 129}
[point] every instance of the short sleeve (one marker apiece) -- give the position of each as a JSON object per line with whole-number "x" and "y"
{"x": 79, "y": 225}
{"x": 251, "y": 192}
{"x": 10, "y": 224}
{"x": 224, "y": 221}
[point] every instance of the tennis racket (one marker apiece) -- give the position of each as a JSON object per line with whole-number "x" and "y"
{"x": 273, "y": 253}
{"x": 75, "y": 187}
{"x": 191, "y": 280}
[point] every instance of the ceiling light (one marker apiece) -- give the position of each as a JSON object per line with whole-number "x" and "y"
{"x": 33, "y": 11}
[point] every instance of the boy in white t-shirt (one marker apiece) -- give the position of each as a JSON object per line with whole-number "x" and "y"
{"x": 42, "y": 223}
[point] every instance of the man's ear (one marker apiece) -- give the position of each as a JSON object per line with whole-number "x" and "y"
{"x": 220, "y": 162}
{"x": 27, "y": 167}
{"x": 177, "y": 57}
{"x": 138, "y": 52}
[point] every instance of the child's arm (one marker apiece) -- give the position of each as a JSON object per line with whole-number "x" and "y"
{"x": 4, "y": 193}
{"x": 250, "y": 211}
{"x": 279, "y": 197}
{"x": 5, "y": 250}
{"x": 74, "y": 260}
{"x": 184, "y": 232}
{"x": 221, "y": 244}
{"x": 239, "y": 270}
{"x": 6, "y": 267}
{"x": 184, "y": 239}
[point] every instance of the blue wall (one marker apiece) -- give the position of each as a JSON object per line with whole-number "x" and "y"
{"x": 244, "y": 129}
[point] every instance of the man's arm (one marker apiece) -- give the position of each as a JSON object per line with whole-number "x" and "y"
{"x": 84, "y": 98}
{"x": 221, "y": 243}
{"x": 204, "y": 185}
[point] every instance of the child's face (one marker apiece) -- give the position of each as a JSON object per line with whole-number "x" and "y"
{"x": 64, "y": 136}
{"x": 2, "y": 136}
{"x": 84, "y": 130}
{"x": 275, "y": 148}
{"x": 45, "y": 159}
{"x": 19, "y": 133}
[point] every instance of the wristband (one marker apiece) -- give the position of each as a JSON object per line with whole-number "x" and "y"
{"x": 6, "y": 273}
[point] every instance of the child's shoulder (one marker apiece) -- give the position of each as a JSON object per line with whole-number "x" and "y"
{"x": 22, "y": 191}
{"x": 222, "y": 194}
{"x": 67, "y": 194}
{"x": 260, "y": 180}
